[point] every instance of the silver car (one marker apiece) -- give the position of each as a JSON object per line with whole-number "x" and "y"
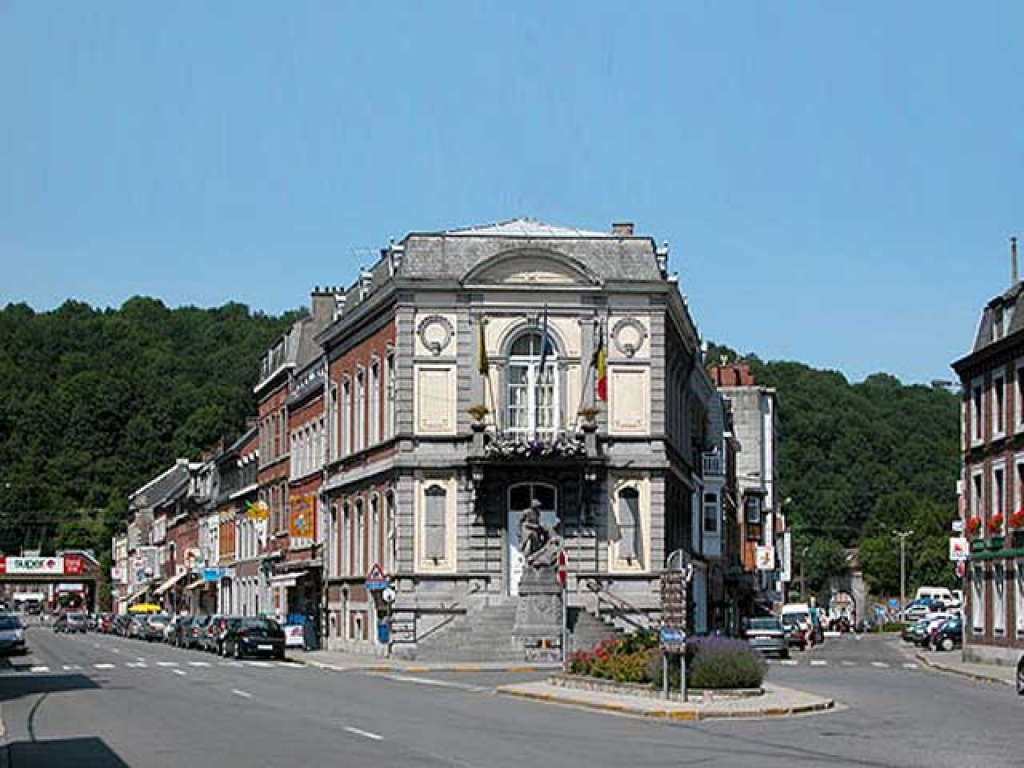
{"x": 767, "y": 635}
{"x": 12, "y": 634}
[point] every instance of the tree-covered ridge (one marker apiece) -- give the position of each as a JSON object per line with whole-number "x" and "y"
{"x": 95, "y": 402}
{"x": 860, "y": 460}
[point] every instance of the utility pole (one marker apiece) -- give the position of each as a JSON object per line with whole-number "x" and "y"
{"x": 803, "y": 578}
{"x": 902, "y": 535}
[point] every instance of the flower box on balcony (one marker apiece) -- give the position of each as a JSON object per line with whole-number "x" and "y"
{"x": 978, "y": 545}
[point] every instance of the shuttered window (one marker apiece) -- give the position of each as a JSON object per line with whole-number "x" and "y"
{"x": 435, "y": 515}
{"x": 628, "y": 520}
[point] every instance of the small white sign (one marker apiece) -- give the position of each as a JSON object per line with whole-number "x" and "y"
{"x": 958, "y": 526}
{"x": 959, "y": 549}
{"x": 765, "y": 557}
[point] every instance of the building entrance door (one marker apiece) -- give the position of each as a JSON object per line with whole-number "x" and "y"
{"x": 519, "y": 498}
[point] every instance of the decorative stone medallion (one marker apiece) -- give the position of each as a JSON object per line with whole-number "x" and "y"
{"x": 629, "y": 335}
{"x": 436, "y": 333}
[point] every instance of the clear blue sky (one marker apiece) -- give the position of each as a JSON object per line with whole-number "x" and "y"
{"x": 838, "y": 183}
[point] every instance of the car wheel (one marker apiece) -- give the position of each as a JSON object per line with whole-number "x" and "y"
{"x": 946, "y": 644}
{"x": 782, "y": 655}
{"x": 279, "y": 655}
{"x": 1020, "y": 677}
{"x": 237, "y": 651}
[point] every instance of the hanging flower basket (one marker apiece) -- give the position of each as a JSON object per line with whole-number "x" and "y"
{"x": 974, "y": 526}
{"x": 995, "y": 524}
{"x": 1016, "y": 521}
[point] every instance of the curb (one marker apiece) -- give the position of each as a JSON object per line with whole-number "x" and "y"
{"x": 678, "y": 715}
{"x": 977, "y": 677}
{"x": 467, "y": 668}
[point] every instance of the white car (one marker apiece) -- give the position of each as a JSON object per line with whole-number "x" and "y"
{"x": 12, "y": 634}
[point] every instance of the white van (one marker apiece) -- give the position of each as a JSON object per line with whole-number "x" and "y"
{"x": 940, "y": 594}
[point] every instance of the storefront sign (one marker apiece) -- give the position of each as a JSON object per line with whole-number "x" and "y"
{"x": 37, "y": 566}
{"x": 765, "y": 557}
{"x": 74, "y": 565}
{"x": 300, "y": 516}
{"x": 211, "y": 574}
{"x": 71, "y": 587}
{"x": 959, "y": 549}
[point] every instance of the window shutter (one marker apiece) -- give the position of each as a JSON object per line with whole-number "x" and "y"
{"x": 434, "y": 522}
{"x": 629, "y": 523}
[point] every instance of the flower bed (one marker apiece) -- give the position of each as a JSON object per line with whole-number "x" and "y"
{"x": 711, "y": 662}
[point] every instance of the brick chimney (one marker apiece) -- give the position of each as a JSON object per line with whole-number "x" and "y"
{"x": 321, "y": 302}
{"x": 623, "y": 228}
{"x": 731, "y": 375}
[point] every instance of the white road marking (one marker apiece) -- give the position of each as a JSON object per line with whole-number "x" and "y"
{"x": 435, "y": 683}
{"x": 103, "y": 666}
{"x": 66, "y": 667}
{"x": 179, "y": 671}
{"x": 263, "y": 664}
{"x": 114, "y": 650}
{"x": 95, "y": 645}
{"x": 819, "y": 663}
{"x": 137, "y": 665}
{"x": 879, "y": 664}
{"x": 287, "y": 665}
{"x": 139, "y": 658}
{"x": 790, "y": 662}
{"x": 849, "y": 663}
{"x": 39, "y": 669}
{"x": 243, "y": 694}
{"x": 231, "y": 663}
{"x": 364, "y": 734}
{"x": 909, "y": 665}
{"x": 167, "y": 663}
{"x": 199, "y": 663}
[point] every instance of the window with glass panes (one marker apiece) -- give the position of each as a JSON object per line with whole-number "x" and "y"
{"x": 532, "y": 396}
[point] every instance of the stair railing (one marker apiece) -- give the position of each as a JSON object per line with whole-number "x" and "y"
{"x": 619, "y": 606}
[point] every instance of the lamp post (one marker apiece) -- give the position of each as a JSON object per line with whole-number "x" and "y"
{"x": 803, "y": 577}
{"x": 902, "y": 536}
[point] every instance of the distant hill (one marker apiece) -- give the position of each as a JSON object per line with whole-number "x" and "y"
{"x": 95, "y": 402}
{"x": 862, "y": 459}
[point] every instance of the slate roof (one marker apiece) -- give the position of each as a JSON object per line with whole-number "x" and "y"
{"x": 1006, "y": 305}
{"x": 452, "y": 254}
{"x": 163, "y": 487}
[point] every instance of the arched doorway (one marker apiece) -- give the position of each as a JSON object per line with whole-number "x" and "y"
{"x": 520, "y": 496}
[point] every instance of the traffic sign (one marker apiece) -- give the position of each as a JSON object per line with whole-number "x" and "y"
{"x": 959, "y": 549}
{"x": 376, "y": 581}
{"x": 672, "y": 640}
{"x": 563, "y": 571}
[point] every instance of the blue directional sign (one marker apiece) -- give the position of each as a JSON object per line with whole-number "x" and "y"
{"x": 672, "y": 636}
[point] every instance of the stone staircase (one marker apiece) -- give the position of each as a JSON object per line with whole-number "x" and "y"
{"x": 586, "y": 630}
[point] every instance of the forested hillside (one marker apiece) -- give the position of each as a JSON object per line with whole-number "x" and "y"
{"x": 860, "y": 461}
{"x": 93, "y": 403}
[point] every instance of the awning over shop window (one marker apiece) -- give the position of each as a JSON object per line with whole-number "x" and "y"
{"x": 170, "y": 583}
{"x": 136, "y": 595}
{"x": 286, "y": 579}
{"x": 200, "y": 584}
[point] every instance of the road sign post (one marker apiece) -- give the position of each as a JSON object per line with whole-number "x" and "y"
{"x": 675, "y": 581}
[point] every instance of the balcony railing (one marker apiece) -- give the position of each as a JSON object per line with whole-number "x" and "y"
{"x": 712, "y": 465}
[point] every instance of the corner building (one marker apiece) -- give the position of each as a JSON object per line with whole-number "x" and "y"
{"x": 472, "y": 371}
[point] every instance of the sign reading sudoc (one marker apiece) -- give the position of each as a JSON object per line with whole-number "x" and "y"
{"x": 42, "y": 566}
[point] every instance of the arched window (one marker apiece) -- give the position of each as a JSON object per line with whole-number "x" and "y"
{"x": 532, "y": 388}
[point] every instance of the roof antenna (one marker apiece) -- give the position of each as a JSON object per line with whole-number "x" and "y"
{"x": 1013, "y": 261}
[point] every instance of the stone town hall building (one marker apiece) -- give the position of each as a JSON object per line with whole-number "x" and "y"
{"x": 462, "y": 382}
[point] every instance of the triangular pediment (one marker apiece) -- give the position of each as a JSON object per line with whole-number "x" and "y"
{"x": 530, "y": 268}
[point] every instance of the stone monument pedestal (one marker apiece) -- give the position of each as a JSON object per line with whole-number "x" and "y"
{"x": 539, "y": 614}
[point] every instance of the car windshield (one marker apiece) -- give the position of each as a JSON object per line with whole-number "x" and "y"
{"x": 9, "y": 622}
{"x": 76, "y": 616}
{"x": 764, "y": 624}
{"x": 259, "y": 624}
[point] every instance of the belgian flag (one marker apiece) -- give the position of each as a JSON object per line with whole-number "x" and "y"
{"x": 601, "y": 366}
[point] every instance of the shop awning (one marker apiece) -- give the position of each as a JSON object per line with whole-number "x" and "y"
{"x": 287, "y": 579}
{"x": 200, "y": 584}
{"x": 136, "y": 595}
{"x": 170, "y": 583}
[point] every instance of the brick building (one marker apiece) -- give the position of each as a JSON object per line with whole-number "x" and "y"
{"x": 992, "y": 477}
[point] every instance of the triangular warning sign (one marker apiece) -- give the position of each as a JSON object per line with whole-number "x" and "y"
{"x": 376, "y": 573}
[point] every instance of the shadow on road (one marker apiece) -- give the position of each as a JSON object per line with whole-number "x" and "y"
{"x": 17, "y": 687}
{"x": 85, "y": 752}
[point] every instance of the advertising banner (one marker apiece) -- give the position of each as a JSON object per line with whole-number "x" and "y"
{"x": 765, "y": 557}
{"x": 36, "y": 566}
{"x": 301, "y": 510}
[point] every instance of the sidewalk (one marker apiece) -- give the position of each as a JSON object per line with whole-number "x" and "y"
{"x": 776, "y": 702}
{"x": 341, "y": 661}
{"x": 951, "y": 663}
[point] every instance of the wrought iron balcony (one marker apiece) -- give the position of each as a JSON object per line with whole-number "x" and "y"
{"x": 713, "y": 466}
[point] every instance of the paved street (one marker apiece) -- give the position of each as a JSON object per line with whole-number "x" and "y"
{"x": 97, "y": 700}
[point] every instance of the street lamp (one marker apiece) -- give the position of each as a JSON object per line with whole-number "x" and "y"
{"x": 803, "y": 577}
{"x": 902, "y": 535}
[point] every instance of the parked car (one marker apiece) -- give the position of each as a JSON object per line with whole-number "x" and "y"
{"x": 12, "y": 634}
{"x": 1020, "y": 677}
{"x": 208, "y": 638}
{"x": 252, "y": 636}
{"x": 808, "y": 618}
{"x": 916, "y": 609}
{"x": 795, "y": 634}
{"x": 947, "y": 636}
{"x": 196, "y": 631}
{"x": 153, "y": 626}
{"x": 136, "y": 627}
{"x": 766, "y": 634}
{"x": 76, "y": 622}
{"x": 221, "y": 626}
{"x": 916, "y": 633}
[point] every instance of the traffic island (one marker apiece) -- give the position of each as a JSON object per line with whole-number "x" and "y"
{"x": 769, "y": 701}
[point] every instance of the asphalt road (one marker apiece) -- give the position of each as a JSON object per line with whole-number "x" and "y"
{"x": 92, "y": 700}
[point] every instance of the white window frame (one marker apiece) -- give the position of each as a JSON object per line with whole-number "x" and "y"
{"x": 977, "y": 401}
{"x": 531, "y": 363}
{"x": 705, "y": 506}
{"x": 360, "y": 537}
{"x": 998, "y": 490}
{"x": 346, "y": 416}
{"x": 374, "y": 532}
{"x": 373, "y": 436}
{"x": 977, "y": 491}
{"x": 360, "y": 412}
{"x": 999, "y": 599}
{"x": 997, "y": 403}
{"x": 390, "y": 532}
{"x": 389, "y": 395}
{"x": 1018, "y": 396}
{"x": 345, "y": 539}
{"x": 978, "y": 600}
{"x": 1018, "y": 594}
{"x": 332, "y": 422}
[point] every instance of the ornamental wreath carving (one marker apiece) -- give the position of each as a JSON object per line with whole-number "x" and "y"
{"x": 435, "y": 333}
{"x": 628, "y": 336}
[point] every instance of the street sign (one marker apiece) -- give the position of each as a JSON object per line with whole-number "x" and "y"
{"x": 388, "y": 595}
{"x": 765, "y": 558}
{"x": 958, "y": 526}
{"x": 376, "y": 581}
{"x": 960, "y": 569}
{"x": 563, "y": 571}
{"x": 673, "y": 599}
{"x": 959, "y": 549}
{"x": 672, "y": 636}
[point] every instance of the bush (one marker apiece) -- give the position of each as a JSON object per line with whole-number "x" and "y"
{"x": 722, "y": 662}
{"x": 624, "y": 661}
